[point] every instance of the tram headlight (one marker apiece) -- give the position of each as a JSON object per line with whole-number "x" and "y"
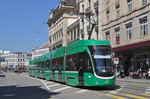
{"x": 96, "y": 82}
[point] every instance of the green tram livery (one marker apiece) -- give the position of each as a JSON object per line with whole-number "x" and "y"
{"x": 82, "y": 63}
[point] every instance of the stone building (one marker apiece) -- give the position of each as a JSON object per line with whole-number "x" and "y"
{"x": 60, "y": 18}
{"x": 125, "y": 23}
{"x": 67, "y": 24}
{"x": 16, "y": 60}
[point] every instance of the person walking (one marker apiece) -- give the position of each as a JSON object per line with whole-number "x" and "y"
{"x": 121, "y": 72}
{"x": 148, "y": 74}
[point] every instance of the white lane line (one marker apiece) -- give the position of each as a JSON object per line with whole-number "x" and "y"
{"x": 82, "y": 91}
{"x": 147, "y": 90}
{"x": 45, "y": 85}
{"x": 116, "y": 91}
{"x": 53, "y": 85}
{"x": 60, "y": 89}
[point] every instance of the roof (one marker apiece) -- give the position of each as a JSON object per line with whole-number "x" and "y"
{"x": 45, "y": 46}
{"x": 81, "y": 45}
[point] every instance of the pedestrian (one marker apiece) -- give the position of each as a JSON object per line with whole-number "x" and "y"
{"x": 148, "y": 74}
{"x": 121, "y": 72}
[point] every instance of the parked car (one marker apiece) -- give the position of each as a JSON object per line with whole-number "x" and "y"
{"x": 18, "y": 71}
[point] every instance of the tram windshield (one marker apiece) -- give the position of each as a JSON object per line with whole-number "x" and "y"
{"x": 102, "y": 60}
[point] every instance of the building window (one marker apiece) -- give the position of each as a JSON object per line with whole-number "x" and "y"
{"x": 117, "y": 30}
{"x": 89, "y": 3}
{"x": 97, "y": 17}
{"x": 71, "y": 35}
{"x": 118, "y": 10}
{"x": 129, "y": 31}
{"x": 74, "y": 33}
{"x": 129, "y": 5}
{"x": 143, "y": 26}
{"x": 108, "y": 15}
{"x": 144, "y": 2}
{"x": 107, "y": 33}
{"x": 82, "y": 8}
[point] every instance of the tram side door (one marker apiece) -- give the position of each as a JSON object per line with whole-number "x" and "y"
{"x": 81, "y": 70}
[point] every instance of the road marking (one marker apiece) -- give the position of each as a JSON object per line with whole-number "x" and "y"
{"x": 117, "y": 97}
{"x": 147, "y": 94}
{"x": 61, "y": 89}
{"x": 116, "y": 91}
{"x": 81, "y": 91}
{"x": 147, "y": 90}
{"x": 134, "y": 96}
{"x": 8, "y": 95}
{"x": 53, "y": 85}
{"x": 45, "y": 85}
{"x": 113, "y": 92}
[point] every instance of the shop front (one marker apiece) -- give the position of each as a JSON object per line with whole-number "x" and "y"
{"x": 134, "y": 57}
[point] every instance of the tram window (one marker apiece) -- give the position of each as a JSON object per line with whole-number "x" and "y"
{"x": 77, "y": 61}
{"x": 57, "y": 64}
{"x": 72, "y": 62}
{"x": 41, "y": 65}
{"x": 47, "y": 66}
{"x": 85, "y": 62}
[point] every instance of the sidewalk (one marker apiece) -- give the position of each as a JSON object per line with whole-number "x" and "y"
{"x": 128, "y": 79}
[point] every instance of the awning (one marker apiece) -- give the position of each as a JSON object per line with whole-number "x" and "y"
{"x": 132, "y": 46}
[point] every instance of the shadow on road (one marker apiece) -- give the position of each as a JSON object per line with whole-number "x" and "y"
{"x": 101, "y": 88}
{"x": 29, "y": 92}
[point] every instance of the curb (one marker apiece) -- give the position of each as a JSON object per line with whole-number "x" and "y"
{"x": 133, "y": 80}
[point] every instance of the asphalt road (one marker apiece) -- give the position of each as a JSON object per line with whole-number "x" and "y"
{"x": 21, "y": 86}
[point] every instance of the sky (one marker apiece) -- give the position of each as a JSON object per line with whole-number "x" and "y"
{"x": 23, "y": 24}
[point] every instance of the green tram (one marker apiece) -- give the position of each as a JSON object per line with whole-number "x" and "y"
{"x": 82, "y": 63}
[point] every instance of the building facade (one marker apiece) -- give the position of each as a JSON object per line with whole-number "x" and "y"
{"x": 15, "y": 60}
{"x": 71, "y": 21}
{"x": 60, "y": 18}
{"x": 125, "y": 23}
{"x": 90, "y": 9}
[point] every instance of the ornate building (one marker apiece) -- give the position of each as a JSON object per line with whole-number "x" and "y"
{"x": 125, "y": 23}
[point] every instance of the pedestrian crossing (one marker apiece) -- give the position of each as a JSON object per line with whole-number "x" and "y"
{"x": 129, "y": 96}
{"x": 58, "y": 87}
{"x": 147, "y": 90}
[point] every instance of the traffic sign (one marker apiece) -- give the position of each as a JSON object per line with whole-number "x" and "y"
{"x": 116, "y": 60}
{"x": 11, "y": 66}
